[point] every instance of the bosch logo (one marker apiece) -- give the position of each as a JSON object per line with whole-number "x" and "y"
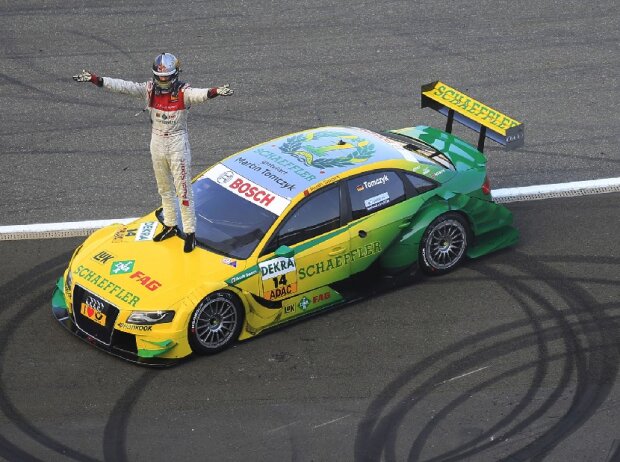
{"x": 95, "y": 303}
{"x": 253, "y": 192}
{"x": 225, "y": 177}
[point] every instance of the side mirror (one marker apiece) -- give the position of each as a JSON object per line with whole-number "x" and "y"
{"x": 285, "y": 251}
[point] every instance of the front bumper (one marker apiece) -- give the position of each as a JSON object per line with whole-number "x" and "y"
{"x": 122, "y": 344}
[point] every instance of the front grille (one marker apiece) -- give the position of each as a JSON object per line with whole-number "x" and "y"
{"x": 93, "y": 315}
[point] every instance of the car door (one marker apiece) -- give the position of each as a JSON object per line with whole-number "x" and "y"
{"x": 381, "y": 209}
{"x": 308, "y": 249}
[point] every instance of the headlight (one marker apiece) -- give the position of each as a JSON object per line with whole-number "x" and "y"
{"x": 150, "y": 317}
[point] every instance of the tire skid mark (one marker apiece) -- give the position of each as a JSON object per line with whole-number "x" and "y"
{"x": 596, "y": 379}
{"x": 481, "y": 356}
{"x": 115, "y": 433}
{"x": 595, "y": 366}
{"x": 109, "y": 44}
{"x": 541, "y": 371}
{"x": 12, "y": 291}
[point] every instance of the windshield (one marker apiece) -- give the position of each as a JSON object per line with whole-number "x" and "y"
{"x": 226, "y": 223}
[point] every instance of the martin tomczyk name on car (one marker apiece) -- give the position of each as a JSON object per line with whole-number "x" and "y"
{"x": 288, "y": 228}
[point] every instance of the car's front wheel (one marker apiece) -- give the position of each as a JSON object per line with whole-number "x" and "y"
{"x": 215, "y": 323}
{"x": 444, "y": 244}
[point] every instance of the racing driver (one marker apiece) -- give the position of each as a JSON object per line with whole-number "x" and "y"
{"x": 167, "y": 100}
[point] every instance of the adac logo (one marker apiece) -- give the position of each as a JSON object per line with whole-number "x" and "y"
{"x": 335, "y": 149}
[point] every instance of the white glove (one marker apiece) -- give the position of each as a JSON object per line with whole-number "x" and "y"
{"x": 83, "y": 76}
{"x": 224, "y": 90}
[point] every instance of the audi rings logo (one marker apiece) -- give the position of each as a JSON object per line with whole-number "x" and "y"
{"x": 95, "y": 304}
{"x": 93, "y": 309}
{"x": 225, "y": 177}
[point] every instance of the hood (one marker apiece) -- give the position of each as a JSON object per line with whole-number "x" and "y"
{"x": 124, "y": 266}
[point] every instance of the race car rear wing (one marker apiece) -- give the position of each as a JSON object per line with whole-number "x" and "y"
{"x": 488, "y": 122}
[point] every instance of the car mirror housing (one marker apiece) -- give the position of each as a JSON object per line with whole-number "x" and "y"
{"x": 284, "y": 251}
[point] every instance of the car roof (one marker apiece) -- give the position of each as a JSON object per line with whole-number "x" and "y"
{"x": 294, "y": 163}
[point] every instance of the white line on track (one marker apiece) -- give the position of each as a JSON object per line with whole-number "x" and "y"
{"x": 464, "y": 375}
{"x": 505, "y": 195}
{"x": 331, "y": 421}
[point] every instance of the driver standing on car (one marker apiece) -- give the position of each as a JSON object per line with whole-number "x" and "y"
{"x": 167, "y": 100}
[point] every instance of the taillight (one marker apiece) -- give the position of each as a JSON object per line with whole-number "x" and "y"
{"x": 486, "y": 186}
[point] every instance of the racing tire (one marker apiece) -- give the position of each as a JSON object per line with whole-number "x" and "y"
{"x": 444, "y": 244}
{"x": 215, "y": 323}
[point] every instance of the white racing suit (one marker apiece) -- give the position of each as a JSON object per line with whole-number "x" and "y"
{"x": 170, "y": 151}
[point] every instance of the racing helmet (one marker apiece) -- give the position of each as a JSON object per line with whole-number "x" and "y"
{"x": 166, "y": 68}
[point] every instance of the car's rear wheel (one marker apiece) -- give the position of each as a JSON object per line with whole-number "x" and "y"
{"x": 444, "y": 244}
{"x": 215, "y": 323}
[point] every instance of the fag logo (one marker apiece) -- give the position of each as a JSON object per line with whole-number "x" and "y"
{"x": 146, "y": 281}
{"x": 321, "y": 297}
{"x": 122, "y": 267}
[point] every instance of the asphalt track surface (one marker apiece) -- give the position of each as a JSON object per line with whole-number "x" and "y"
{"x": 515, "y": 356}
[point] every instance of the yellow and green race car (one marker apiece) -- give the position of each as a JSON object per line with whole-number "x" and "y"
{"x": 290, "y": 227}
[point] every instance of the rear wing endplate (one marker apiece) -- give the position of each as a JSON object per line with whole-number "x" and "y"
{"x": 488, "y": 122}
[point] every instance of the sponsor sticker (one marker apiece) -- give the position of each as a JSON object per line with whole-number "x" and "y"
{"x": 376, "y": 182}
{"x": 243, "y": 276}
{"x": 276, "y": 267}
{"x": 146, "y": 231}
{"x": 136, "y": 327}
{"x": 103, "y": 257}
{"x": 122, "y": 267}
{"x": 123, "y": 232}
{"x": 279, "y": 277}
{"x": 106, "y": 285}
{"x": 247, "y": 189}
{"x": 229, "y": 262}
{"x": 377, "y": 201}
{"x": 148, "y": 282}
{"x": 93, "y": 309}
